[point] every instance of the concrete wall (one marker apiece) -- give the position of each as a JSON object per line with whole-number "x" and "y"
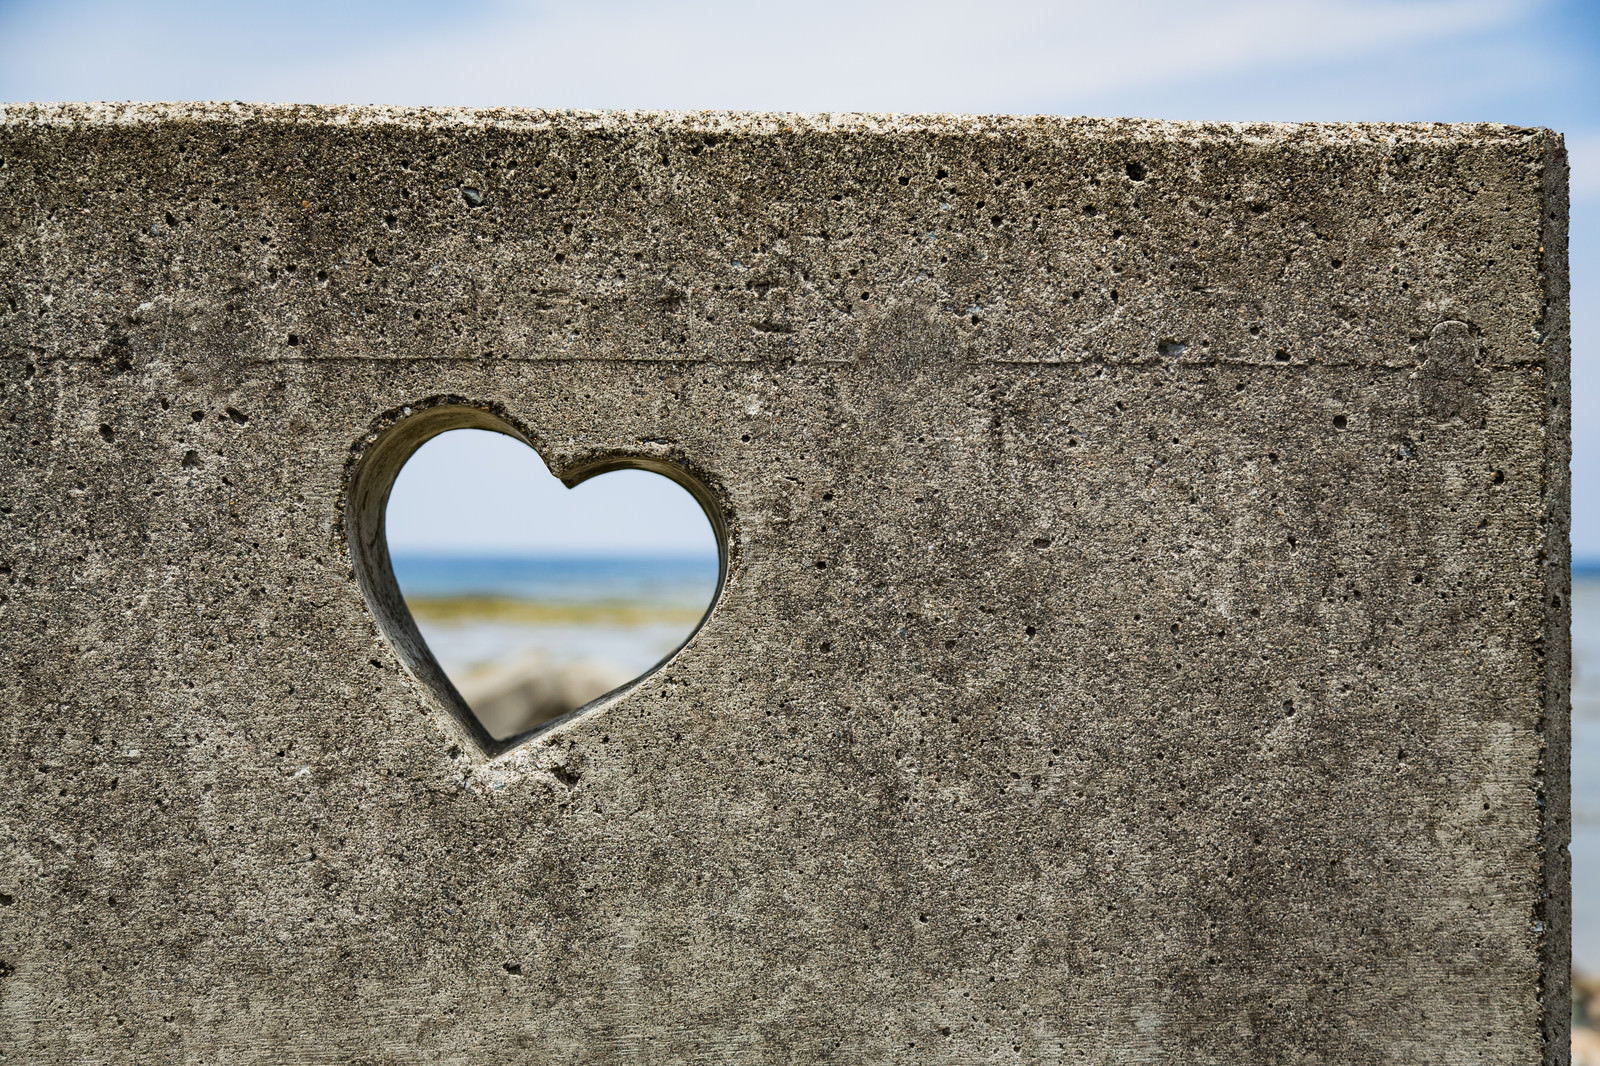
{"x": 1143, "y": 634}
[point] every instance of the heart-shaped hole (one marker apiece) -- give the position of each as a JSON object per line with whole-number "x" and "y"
{"x": 517, "y": 598}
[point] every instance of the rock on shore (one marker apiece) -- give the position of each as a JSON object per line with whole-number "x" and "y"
{"x": 513, "y": 697}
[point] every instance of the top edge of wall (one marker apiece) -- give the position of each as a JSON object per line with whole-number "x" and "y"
{"x": 760, "y": 123}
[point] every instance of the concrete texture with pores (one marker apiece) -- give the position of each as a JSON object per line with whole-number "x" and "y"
{"x": 1142, "y": 636}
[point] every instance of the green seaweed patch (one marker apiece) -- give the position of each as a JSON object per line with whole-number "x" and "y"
{"x": 622, "y": 614}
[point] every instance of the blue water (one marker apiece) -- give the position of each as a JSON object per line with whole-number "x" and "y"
{"x": 669, "y": 580}
{"x": 465, "y": 645}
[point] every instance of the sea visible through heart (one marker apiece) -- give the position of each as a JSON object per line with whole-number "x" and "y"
{"x": 528, "y": 638}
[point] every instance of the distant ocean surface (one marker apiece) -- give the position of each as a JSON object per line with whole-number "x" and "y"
{"x": 574, "y": 612}
{"x": 657, "y": 579}
{"x": 618, "y": 615}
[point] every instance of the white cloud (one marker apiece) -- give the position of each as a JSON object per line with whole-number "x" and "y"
{"x": 827, "y": 55}
{"x": 838, "y": 55}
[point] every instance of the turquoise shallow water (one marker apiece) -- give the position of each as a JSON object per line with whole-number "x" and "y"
{"x": 667, "y": 580}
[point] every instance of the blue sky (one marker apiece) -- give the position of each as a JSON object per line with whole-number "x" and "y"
{"x": 1528, "y": 63}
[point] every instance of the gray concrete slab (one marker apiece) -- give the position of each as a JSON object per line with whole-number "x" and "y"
{"x": 1142, "y": 635}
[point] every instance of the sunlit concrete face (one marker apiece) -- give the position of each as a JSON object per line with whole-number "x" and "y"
{"x": 1141, "y": 633}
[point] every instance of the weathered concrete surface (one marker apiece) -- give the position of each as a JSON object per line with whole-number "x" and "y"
{"x": 1143, "y": 637}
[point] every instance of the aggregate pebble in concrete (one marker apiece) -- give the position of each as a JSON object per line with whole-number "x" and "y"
{"x": 1143, "y": 634}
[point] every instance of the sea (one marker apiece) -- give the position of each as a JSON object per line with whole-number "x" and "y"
{"x": 666, "y": 579}
{"x": 630, "y": 612}
{"x": 625, "y": 612}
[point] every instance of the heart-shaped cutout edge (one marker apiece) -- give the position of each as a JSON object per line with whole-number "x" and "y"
{"x": 376, "y": 461}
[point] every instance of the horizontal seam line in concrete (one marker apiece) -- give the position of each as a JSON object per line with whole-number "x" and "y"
{"x": 1136, "y": 363}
